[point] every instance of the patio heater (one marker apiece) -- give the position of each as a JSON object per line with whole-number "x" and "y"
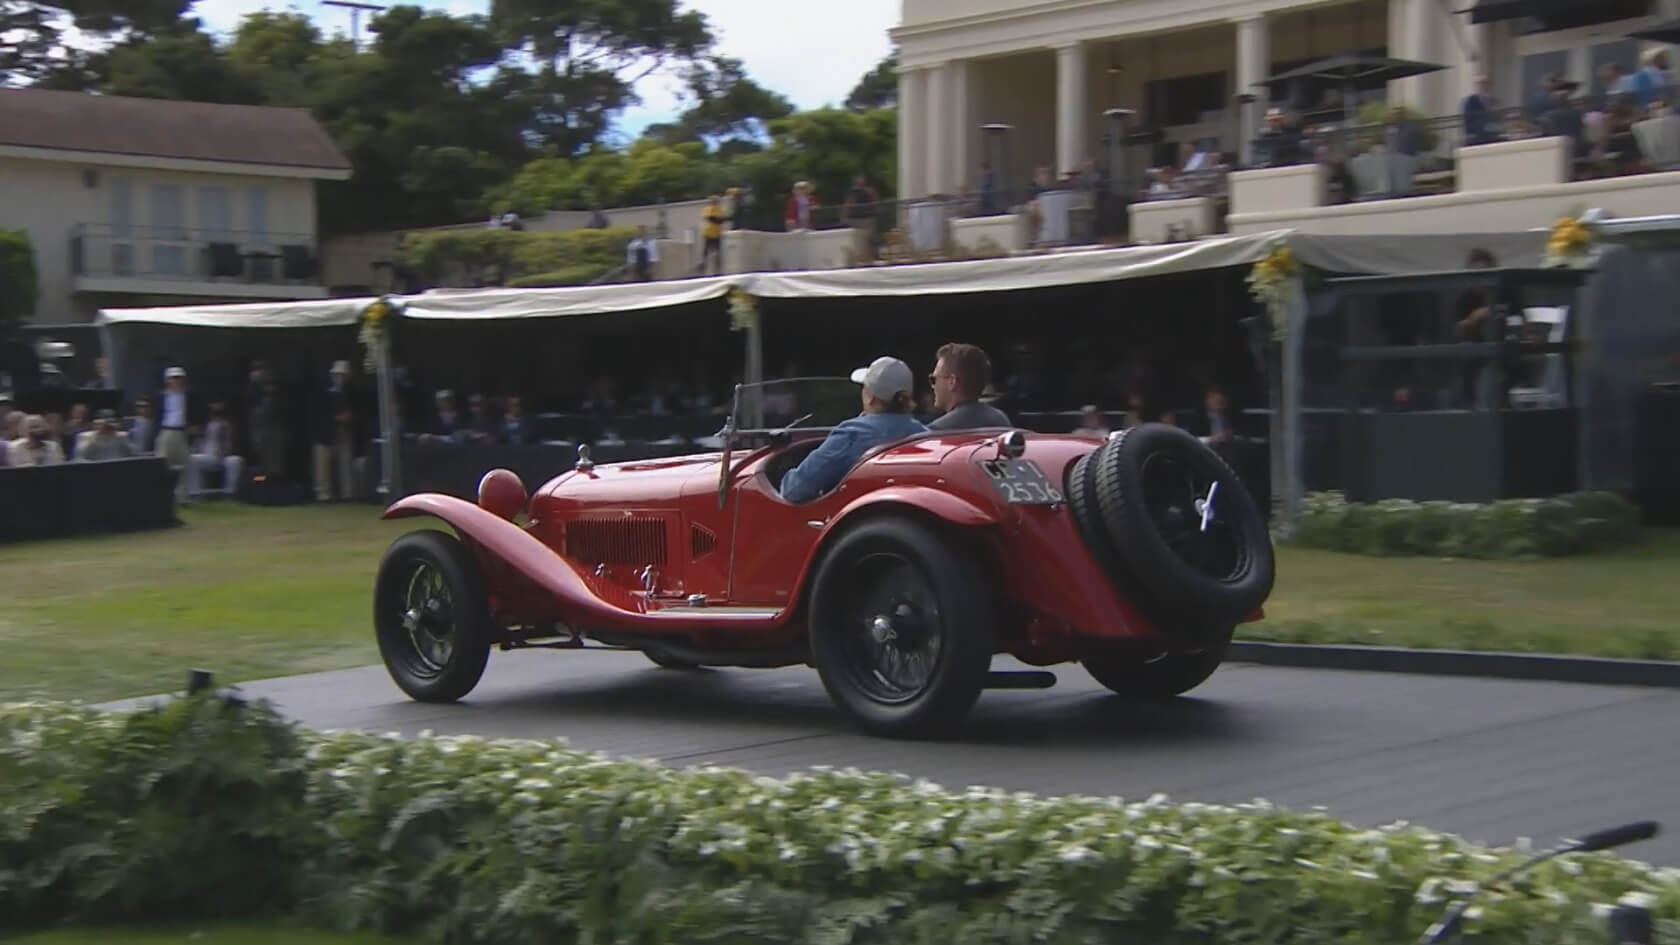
{"x": 1118, "y": 121}
{"x": 1245, "y": 127}
{"x": 997, "y": 149}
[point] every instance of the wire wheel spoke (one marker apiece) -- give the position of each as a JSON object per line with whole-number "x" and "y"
{"x": 428, "y": 618}
{"x": 1186, "y": 510}
{"x": 894, "y": 631}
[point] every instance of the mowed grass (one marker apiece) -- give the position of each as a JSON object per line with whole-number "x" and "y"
{"x": 254, "y": 592}
{"x": 195, "y": 934}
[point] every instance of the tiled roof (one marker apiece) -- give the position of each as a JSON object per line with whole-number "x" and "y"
{"x": 200, "y": 131}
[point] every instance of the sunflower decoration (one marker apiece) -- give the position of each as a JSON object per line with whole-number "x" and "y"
{"x": 743, "y": 310}
{"x": 375, "y": 328}
{"x": 1271, "y": 281}
{"x": 1570, "y": 244}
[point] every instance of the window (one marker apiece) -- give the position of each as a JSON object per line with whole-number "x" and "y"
{"x": 256, "y": 215}
{"x": 169, "y": 231}
{"x": 1623, "y": 53}
{"x": 1185, "y": 100}
{"x": 215, "y": 214}
{"x": 1536, "y": 67}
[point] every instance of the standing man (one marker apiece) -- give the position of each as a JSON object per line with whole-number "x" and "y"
{"x": 713, "y": 218}
{"x": 641, "y": 253}
{"x": 172, "y": 428}
{"x": 335, "y": 447}
{"x": 959, "y": 377}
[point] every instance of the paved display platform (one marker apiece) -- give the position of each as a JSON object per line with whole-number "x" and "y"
{"x": 1491, "y": 760}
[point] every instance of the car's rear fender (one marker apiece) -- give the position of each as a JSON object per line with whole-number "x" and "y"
{"x": 925, "y": 503}
{"x": 558, "y": 590}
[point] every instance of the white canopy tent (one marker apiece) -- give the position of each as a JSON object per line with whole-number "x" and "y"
{"x": 1364, "y": 255}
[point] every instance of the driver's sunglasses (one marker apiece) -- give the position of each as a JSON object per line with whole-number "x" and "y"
{"x": 936, "y": 378}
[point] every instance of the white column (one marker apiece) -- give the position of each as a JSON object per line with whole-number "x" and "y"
{"x": 1070, "y": 107}
{"x": 1254, "y": 64}
{"x": 912, "y": 132}
{"x": 938, "y": 150}
{"x": 962, "y": 163}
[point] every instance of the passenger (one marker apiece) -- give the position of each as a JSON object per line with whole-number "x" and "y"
{"x": 888, "y": 388}
{"x": 959, "y": 377}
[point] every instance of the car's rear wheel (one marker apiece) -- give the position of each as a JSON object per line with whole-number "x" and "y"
{"x": 1193, "y": 542}
{"x": 431, "y": 616}
{"x": 1164, "y": 676}
{"x": 902, "y": 628}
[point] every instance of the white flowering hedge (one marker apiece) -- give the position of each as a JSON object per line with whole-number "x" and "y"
{"x": 198, "y": 809}
{"x": 1511, "y": 528}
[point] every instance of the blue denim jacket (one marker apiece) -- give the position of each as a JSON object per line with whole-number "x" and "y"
{"x": 826, "y": 465}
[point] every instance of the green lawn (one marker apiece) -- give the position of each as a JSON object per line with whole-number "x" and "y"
{"x": 253, "y": 592}
{"x": 196, "y": 934}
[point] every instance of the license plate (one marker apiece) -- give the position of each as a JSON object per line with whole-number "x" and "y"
{"x": 1022, "y": 482}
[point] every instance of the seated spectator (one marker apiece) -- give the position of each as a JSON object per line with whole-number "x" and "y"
{"x": 1092, "y": 423}
{"x": 480, "y": 425}
{"x": 887, "y": 389}
{"x": 512, "y": 430}
{"x": 104, "y": 440}
{"x": 37, "y": 446}
{"x": 450, "y": 425}
{"x": 74, "y": 428}
{"x": 214, "y": 450}
{"x": 142, "y": 427}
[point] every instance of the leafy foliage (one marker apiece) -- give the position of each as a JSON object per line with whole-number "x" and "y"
{"x": 19, "y": 281}
{"x": 1509, "y": 529}
{"x": 517, "y": 255}
{"x": 467, "y": 840}
{"x": 879, "y": 87}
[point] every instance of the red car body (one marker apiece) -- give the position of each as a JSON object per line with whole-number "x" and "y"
{"x": 712, "y": 567}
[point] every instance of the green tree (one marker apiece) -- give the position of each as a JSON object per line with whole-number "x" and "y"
{"x": 19, "y": 283}
{"x": 829, "y": 146}
{"x": 879, "y": 86}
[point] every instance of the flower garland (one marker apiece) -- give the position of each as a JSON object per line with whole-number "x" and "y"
{"x": 1272, "y": 283}
{"x": 375, "y": 328}
{"x": 743, "y": 310}
{"x": 1570, "y": 245}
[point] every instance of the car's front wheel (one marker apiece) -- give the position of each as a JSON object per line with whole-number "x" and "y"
{"x": 1162, "y": 677}
{"x": 902, "y": 628}
{"x": 431, "y": 616}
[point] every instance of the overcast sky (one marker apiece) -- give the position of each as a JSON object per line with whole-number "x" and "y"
{"x": 812, "y": 63}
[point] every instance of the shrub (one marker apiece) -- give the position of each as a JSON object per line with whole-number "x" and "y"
{"x": 1510, "y": 529}
{"x": 571, "y": 275}
{"x": 442, "y": 255}
{"x": 19, "y": 282}
{"x": 509, "y": 842}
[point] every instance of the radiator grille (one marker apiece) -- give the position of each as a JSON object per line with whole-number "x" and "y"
{"x": 616, "y": 541}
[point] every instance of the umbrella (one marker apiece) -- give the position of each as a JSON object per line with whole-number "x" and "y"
{"x": 1665, "y": 32}
{"x": 1347, "y": 69}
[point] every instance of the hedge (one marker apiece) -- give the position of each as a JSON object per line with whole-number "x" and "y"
{"x": 19, "y": 281}
{"x": 206, "y": 806}
{"x": 441, "y": 255}
{"x": 1511, "y": 529}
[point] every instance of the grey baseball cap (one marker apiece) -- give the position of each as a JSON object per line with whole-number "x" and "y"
{"x": 886, "y": 378}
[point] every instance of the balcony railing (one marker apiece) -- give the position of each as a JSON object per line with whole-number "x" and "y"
{"x": 179, "y": 254}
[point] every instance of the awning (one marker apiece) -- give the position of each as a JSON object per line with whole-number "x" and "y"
{"x": 1665, "y": 32}
{"x": 1494, "y": 11}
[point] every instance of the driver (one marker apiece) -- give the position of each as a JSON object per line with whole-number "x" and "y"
{"x": 888, "y": 386}
{"x": 960, "y": 373}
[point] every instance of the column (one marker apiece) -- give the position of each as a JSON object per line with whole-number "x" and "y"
{"x": 937, "y": 152}
{"x": 962, "y": 125}
{"x": 1070, "y": 107}
{"x": 912, "y": 124}
{"x": 1254, "y": 64}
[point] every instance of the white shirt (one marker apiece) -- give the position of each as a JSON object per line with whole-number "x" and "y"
{"x": 651, "y": 246}
{"x": 174, "y": 408}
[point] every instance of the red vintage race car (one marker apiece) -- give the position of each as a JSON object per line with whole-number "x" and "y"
{"x": 1135, "y": 556}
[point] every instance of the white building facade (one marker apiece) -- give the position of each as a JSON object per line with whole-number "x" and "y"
{"x": 1048, "y": 70}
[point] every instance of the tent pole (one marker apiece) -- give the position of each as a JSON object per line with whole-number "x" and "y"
{"x": 389, "y": 475}
{"x": 1293, "y": 494}
{"x": 754, "y": 372}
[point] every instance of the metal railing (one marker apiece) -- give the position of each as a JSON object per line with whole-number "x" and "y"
{"x": 106, "y": 250}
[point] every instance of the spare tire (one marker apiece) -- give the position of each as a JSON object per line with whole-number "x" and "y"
{"x": 1192, "y": 539}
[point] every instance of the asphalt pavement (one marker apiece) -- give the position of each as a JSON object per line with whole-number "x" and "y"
{"x": 1492, "y": 760}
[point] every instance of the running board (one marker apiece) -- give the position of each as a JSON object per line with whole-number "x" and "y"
{"x": 1023, "y": 679}
{"x": 746, "y": 614}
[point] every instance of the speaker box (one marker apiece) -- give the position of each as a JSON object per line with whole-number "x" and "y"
{"x": 1656, "y": 457}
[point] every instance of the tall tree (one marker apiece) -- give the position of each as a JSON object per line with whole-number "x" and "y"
{"x": 879, "y": 86}
{"x": 728, "y": 104}
{"x": 589, "y": 54}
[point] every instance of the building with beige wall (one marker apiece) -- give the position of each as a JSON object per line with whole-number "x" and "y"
{"x": 142, "y": 202}
{"x": 1049, "y": 69}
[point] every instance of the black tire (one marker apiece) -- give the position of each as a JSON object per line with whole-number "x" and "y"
{"x": 1081, "y": 493}
{"x": 941, "y": 626}
{"x": 428, "y": 579}
{"x": 1167, "y": 675}
{"x": 666, "y": 662}
{"x": 1149, "y": 482}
